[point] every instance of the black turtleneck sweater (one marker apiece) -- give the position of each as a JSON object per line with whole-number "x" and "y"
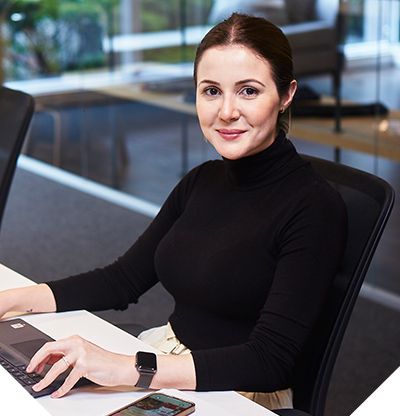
{"x": 248, "y": 249}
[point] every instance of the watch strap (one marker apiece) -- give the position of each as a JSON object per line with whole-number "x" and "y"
{"x": 144, "y": 380}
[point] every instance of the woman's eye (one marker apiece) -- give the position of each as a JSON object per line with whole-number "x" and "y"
{"x": 211, "y": 91}
{"x": 249, "y": 91}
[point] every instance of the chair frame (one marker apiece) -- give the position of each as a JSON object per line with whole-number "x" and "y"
{"x": 312, "y": 376}
{"x": 16, "y": 110}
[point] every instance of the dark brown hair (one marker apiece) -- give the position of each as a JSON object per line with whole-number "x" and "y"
{"x": 259, "y": 35}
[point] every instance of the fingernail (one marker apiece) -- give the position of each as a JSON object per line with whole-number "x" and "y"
{"x": 55, "y": 395}
{"x": 35, "y": 387}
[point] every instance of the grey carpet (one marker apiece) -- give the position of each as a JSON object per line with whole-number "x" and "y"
{"x": 50, "y": 231}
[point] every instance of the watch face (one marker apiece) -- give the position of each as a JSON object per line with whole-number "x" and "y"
{"x": 146, "y": 361}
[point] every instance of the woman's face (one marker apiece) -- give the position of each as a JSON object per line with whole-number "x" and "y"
{"x": 237, "y": 101}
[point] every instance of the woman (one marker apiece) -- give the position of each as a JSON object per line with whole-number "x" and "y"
{"x": 248, "y": 246}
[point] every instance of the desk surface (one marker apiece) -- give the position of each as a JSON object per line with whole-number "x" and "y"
{"x": 96, "y": 400}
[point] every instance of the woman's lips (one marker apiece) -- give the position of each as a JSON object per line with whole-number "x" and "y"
{"x": 230, "y": 134}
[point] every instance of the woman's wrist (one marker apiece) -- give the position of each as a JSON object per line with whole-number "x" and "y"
{"x": 172, "y": 371}
{"x": 131, "y": 375}
{"x": 175, "y": 371}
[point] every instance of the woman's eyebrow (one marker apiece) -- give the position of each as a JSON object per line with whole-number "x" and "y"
{"x": 208, "y": 81}
{"x": 241, "y": 82}
{"x": 250, "y": 80}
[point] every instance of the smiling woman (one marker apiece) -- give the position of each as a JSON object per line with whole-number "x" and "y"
{"x": 247, "y": 246}
{"x": 238, "y": 109}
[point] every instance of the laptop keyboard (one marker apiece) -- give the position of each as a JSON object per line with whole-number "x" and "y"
{"x": 19, "y": 373}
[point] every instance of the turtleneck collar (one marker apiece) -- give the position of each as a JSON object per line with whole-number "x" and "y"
{"x": 265, "y": 167}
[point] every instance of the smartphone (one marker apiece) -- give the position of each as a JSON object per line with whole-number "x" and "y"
{"x": 156, "y": 404}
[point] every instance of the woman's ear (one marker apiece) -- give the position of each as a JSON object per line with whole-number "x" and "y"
{"x": 288, "y": 97}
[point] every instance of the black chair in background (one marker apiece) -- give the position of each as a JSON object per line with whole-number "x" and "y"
{"x": 369, "y": 202}
{"x": 16, "y": 110}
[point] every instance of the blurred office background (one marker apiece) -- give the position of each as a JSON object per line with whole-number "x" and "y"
{"x": 115, "y": 105}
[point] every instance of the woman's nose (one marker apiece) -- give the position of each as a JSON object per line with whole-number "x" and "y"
{"x": 229, "y": 110}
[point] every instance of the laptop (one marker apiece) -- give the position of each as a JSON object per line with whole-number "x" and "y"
{"x": 19, "y": 341}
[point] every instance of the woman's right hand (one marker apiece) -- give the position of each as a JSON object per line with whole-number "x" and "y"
{"x": 30, "y": 299}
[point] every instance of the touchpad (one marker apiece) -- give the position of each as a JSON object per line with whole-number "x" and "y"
{"x": 29, "y": 348}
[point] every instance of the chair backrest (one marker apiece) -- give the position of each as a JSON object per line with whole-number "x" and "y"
{"x": 16, "y": 109}
{"x": 369, "y": 201}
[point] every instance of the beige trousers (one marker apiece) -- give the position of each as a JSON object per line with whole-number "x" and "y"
{"x": 163, "y": 338}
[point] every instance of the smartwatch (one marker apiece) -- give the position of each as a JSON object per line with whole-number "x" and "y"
{"x": 146, "y": 364}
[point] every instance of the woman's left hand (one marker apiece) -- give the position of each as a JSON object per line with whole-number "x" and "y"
{"x": 87, "y": 360}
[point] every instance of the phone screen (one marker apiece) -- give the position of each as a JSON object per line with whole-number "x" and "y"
{"x": 157, "y": 404}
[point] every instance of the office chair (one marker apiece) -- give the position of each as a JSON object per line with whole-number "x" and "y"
{"x": 16, "y": 110}
{"x": 369, "y": 202}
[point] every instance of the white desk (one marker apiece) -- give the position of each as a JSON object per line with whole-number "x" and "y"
{"x": 384, "y": 400}
{"x": 98, "y": 401}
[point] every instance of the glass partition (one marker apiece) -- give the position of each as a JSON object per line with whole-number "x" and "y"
{"x": 52, "y": 37}
{"x": 115, "y": 99}
{"x": 96, "y": 69}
